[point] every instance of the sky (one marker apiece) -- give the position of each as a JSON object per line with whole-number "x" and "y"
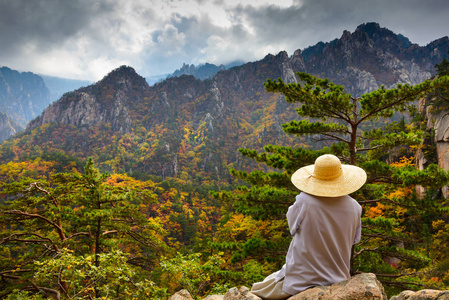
{"x": 86, "y": 39}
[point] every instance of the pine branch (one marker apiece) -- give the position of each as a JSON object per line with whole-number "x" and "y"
{"x": 34, "y": 241}
{"x": 369, "y": 148}
{"x": 109, "y": 232}
{"x": 37, "y": 216}
{"x": 36, "y": 186}
{"x": 365, "y": 250}
{"x": 77, "y": 234}
{"x": 335, "y": 137}
{"x": 55, "y": 293}
{"x": 385, "y": 237}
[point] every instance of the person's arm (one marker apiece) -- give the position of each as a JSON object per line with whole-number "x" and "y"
{"x": 295, "y": 215}
{"x": 358, "y": 231}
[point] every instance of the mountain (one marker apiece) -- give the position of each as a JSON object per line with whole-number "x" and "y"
{"x": 204, "y": 71}
{"x": 107, "y": 101}
{"x": 201, "y": 72}
{"x": 23, "y": 96}
{"x": 192, "y": 128}
{"x": 371, "y": 56}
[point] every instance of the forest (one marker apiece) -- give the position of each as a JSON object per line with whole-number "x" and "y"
{"x": 79, "y": 227}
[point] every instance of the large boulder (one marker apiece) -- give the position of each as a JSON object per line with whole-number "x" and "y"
{"x": 422, "y": 295}
{"x": 364, "y": 286}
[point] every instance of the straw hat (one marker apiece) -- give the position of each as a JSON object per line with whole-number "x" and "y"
{"x": 329, "y": 178}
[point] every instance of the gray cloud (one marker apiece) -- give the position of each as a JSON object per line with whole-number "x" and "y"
{"x": 43, "y": 23}
{"x": 86, "y": 39}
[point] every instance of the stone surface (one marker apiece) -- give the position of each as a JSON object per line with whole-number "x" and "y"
{"x": 422, "y": 295}
{"x": 214, "y": 297}
{"x": 181, "y": 295}
{"x": 240, "y": 294}
{"x": 360, "y": 287}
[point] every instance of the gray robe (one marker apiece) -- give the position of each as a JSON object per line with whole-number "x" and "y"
{"x": 324, "y": 230}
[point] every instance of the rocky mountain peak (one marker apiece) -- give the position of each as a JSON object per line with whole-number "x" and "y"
{"x": 383, "y": 37}
{"x": 124, "y": 77}
{"x": 108, "y": 101}
{"x": 372, "y": 56}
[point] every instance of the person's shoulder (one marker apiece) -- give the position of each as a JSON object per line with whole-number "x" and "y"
{"x": 304, "y": 197}
{"x": 353, "y": 202}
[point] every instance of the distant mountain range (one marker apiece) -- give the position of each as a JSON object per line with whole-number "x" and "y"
{"x": 192, "y": 128}
{"x": 23, "y": 96}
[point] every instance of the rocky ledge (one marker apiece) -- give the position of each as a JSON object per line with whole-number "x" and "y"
{"x": 360, "y": 287}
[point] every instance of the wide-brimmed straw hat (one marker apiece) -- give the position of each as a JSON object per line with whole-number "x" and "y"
{"x": 329, "y": 178}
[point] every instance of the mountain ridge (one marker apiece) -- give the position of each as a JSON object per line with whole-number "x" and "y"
{"x": 184, "y": 126}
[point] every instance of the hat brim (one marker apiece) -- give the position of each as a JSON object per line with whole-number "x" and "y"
{"x": 352, "y": 179}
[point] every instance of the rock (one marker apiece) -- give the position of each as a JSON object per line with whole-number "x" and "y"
{"x": 422, "y": 295}
{"x": 181, "y": 295}
{"x": 240, "y": 294}
{"x": 364, "y": 286}
{"x": 214, "y": 297}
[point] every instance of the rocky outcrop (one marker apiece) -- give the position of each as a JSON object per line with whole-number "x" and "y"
{"x": 82, "y": 108}
{"x": 201, "y": 72}
{"x": 7, "y": 127}
{"x": 422, "y": 295}
{"x": 360, "y": 287}
{"x": 363, "y": 286}
{"x": 243, "y": 293}
{"x": 438, "y": 122}
{"x": 106, "y": 102}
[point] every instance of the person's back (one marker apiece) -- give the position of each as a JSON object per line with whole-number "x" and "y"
{"x": 324, "y": 230}
{"x": 324, "y": 222}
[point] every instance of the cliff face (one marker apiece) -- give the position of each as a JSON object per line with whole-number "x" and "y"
{"x": 8, "y": 127}
{"x": 23, "y": 96}
{"x": 438, "y": 123}
{"x": 105, "y": 102}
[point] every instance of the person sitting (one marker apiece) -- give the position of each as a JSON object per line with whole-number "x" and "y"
{"x": 325, "y": 222}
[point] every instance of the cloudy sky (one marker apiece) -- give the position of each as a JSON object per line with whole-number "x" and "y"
{"x": 85, "y": 39}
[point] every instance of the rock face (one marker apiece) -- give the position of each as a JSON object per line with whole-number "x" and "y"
{"x": 242, "y": 293}
{"x": 438, "y": 122}
{"x": 360, "y": 287}
{"x": 106, "y": 102}
{"x": 7, "y": 127}
{"x": 422, "y": 295}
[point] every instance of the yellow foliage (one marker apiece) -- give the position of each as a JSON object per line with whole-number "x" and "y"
{"x": 403, "y": 161}
{"x": 375, "y": 211}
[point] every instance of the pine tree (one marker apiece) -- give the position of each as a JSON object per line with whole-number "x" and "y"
{"x": 73, "y": 218}
{"x": 360, "y": 131}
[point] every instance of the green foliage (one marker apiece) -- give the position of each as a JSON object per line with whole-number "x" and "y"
{"x": 187, "y": 272}
{"x": 85, "y": 213}
{"x": 113, "y": 277}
